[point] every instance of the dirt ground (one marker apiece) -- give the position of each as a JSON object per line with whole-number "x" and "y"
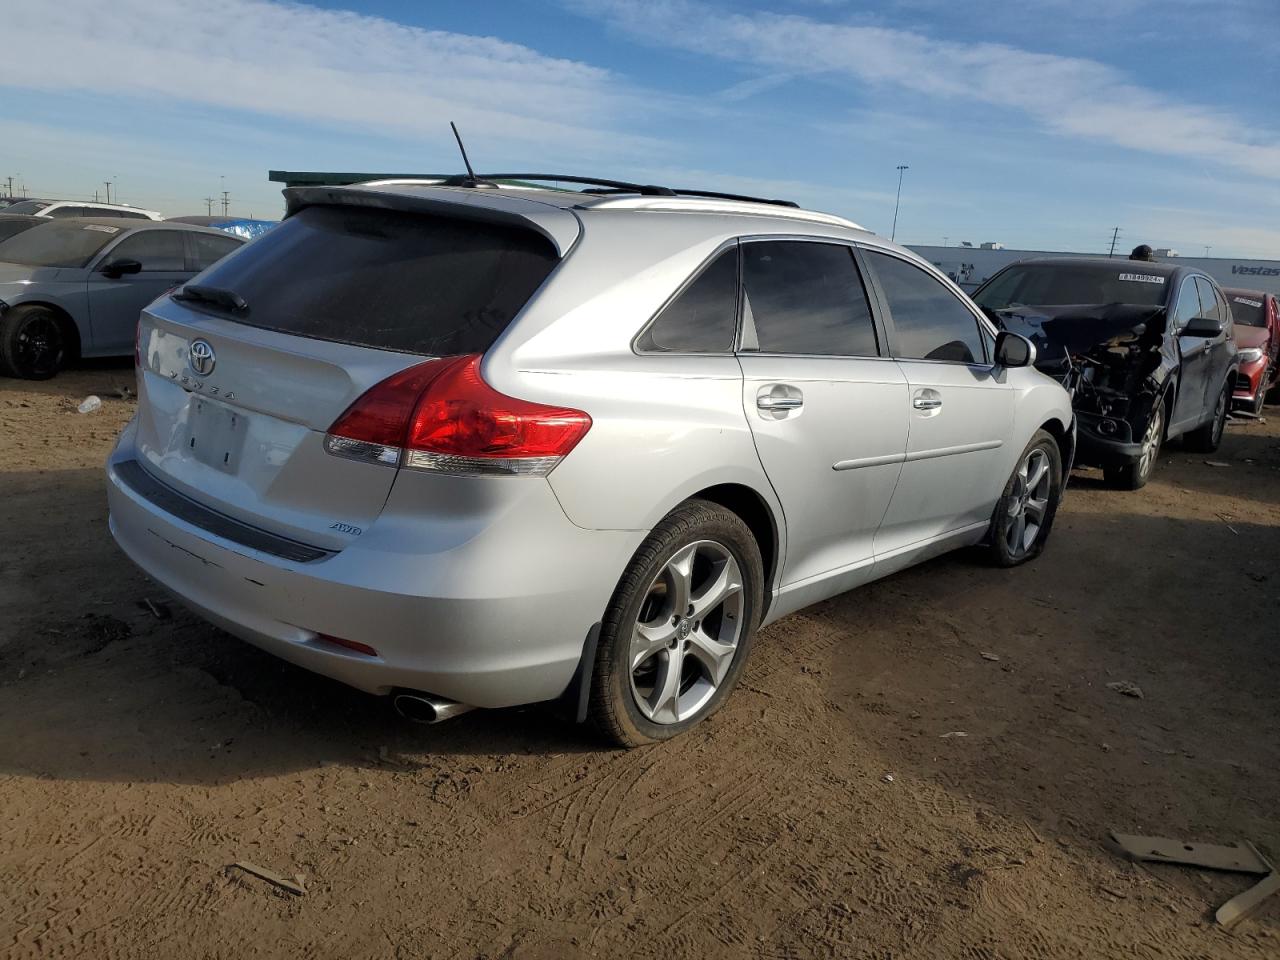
{"x": 832, "y": 809}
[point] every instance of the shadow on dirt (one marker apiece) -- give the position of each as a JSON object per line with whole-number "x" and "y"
{"x": 94, "y": 685}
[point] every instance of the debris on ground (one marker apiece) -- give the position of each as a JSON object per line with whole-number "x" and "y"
{"x": 887, "y": 778}
{"x": 990, "y": 656}
{"x": 954, "y": 733}
{"x": 157, "y": 609}
{"x": 1126, "y": 687}
{"x": 1227, "y": 518}
{"x": 1217, "y": 463}
{"x": 90, "y": 404}
{"x": 124, "y": 393}
{"x": 293, "y": 886}
{"x": 1237, "y": 858}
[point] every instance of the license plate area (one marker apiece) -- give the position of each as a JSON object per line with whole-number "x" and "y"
{"x": 215, "y": 434}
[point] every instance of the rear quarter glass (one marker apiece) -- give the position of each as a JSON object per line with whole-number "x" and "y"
{"x": 385, "y": 279}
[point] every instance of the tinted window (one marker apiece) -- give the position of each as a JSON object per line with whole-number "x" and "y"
{"x": 701, "y": 319}
{"x": 1188, "y": 305}
{"x": 57, "y": 243}
{"x": 207, "y": 249}
{"x": 1058, "y": 284}
{"x": 10, "y": 228}
{"x": 156, "y": 250}
{"x": 807, "y": 298}
{"x": 1246, "y": 308}
{"x": 126, "y": 214}
{"x": 61, "y": 213}
{"x": 1209, "y": 305}
{"x": 387, "y": 279}
{"x": 27, "y": 206}
{"x": 930, "y": 322}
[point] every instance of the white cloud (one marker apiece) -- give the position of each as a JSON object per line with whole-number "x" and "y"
{"x": 1071, "y": 96}
{"x": 351, "y": 73}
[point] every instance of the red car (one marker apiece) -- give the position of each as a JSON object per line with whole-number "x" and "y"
{"x": 1257, "y": 323}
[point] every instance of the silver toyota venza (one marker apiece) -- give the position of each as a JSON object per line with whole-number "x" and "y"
{"x": 475, "y": 446}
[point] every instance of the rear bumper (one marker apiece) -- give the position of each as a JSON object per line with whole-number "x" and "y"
{"x": 493, "y": 619}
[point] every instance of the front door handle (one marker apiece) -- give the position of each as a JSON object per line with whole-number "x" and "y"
{"x": 927, "y": 400}
{"x": 779, "y": 403}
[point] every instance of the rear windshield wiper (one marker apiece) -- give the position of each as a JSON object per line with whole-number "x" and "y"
{"x": 218, "y": 296}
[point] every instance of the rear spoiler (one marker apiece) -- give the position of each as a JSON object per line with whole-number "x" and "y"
{"x": 561, "y": 227}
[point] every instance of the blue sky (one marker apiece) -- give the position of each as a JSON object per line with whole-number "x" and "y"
{"x": 1041, "y": 123}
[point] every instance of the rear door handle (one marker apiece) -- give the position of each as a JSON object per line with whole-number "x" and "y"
{"x": 779, "y": 403}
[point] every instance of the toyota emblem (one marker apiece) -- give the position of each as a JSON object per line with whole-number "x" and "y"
{"x": 200, "y": 358}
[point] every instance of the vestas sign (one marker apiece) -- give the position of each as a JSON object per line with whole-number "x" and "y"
{"x": 1256, "y": 271}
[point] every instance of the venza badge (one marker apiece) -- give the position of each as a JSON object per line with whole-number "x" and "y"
{"x": 200, "y": 358}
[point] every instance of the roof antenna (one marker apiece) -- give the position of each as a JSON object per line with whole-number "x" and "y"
{"x": 470, "y": 179}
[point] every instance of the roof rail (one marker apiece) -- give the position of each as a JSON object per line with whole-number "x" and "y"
{"x": 599, "y": 185}
{"x": 715, "y": 204}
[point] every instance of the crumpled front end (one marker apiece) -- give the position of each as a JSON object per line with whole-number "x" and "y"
{"x": 1111, "y": 359}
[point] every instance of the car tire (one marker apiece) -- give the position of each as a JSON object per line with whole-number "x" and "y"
{"x": 1207, "y": 438}
{"x": 33, "y": 343}
{"x": 660, "y": 670}
{"x": 1134, "y": 476}
{"x": 1024, "y": 515}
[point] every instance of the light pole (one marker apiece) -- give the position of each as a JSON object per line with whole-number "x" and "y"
{"x": 902, "y": 168}
{"x": 1207, "y": 248}
{"x": 944, "y": 240}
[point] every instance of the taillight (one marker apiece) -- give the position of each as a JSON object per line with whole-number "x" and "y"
{"x": 442, "y": 416}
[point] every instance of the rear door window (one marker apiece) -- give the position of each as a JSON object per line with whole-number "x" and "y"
{"x": 929, "y": 321}
{"x": 387, "y": 279}
{"x": 805, "y": 298}
{"x": 62, "y": 213}
{"x": 702, "y": 317}
{"x": 207, "y": 249}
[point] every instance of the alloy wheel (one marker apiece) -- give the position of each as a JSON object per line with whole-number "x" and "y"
{"x": 1151, "y": 442}
{"x": 1220, "y": 416}
{"x": 686, "y": 633}
{"x": 1029, "y": 502}
{"x": 39, "y": 344}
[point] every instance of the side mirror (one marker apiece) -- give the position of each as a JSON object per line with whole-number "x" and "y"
{"x": 1204, "y": 327}
{"x": 118, "y": 268}
{"x": 1014, "y": 350}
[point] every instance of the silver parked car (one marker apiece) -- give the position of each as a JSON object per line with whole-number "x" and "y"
{"x": 71, "y": 288}
{"x": 476, "y": 447}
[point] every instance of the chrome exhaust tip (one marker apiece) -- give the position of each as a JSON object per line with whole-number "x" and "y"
{"x": 425, "y": 707}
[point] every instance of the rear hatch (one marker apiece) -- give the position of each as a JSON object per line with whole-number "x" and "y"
{"x": 243, "y": 371}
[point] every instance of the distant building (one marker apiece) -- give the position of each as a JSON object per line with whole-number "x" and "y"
{"x": 1165, "y": 253}
{"x": 969, "y": 267}
{"x": 992, "y": 245}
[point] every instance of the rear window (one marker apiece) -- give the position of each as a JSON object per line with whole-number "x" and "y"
{"x": 10, "y": 228}
{"x": 27, "y": 206}
{"x": 1246, "y": 308}
{"x": 386, "y": 279}
{"x": 1061, "y": 285}
{"x": 57, "y": 243}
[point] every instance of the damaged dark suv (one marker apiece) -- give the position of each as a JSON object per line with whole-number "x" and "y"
{"x": 1147, "y": 349}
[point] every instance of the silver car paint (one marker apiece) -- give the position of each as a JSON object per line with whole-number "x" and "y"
{"x": 483, "y": 589}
